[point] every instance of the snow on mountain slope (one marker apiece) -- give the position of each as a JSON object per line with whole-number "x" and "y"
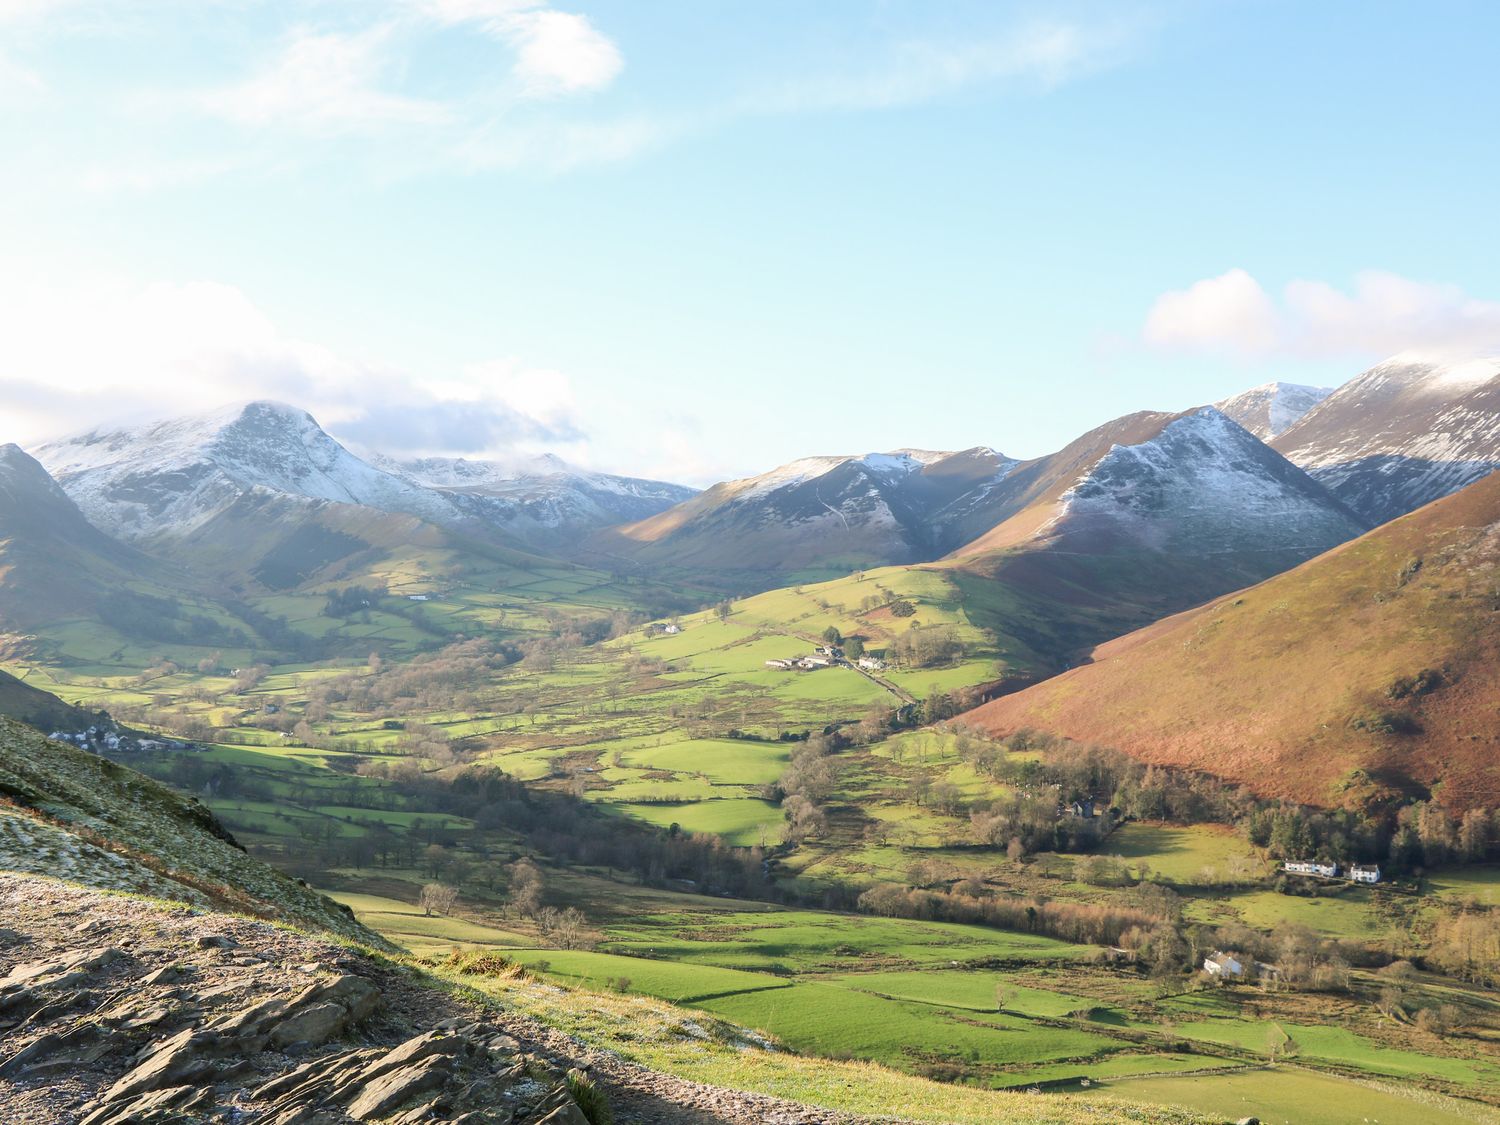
{"x": 1195, "y": 483}
{"x": 1205, "y": 485}
{"x": 1269, "y": 409}
{"x": 543, "y": 498}
{"x": 167, "y": 479}
{"x": 1406, "y": 432}
{"x": 816, "y": 511}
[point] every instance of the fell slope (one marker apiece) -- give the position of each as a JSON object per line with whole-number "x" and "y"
{"x": 1370, "y": 671}
{"x": 1142, "y": 518}
{"x": 53, "y": 562}
{"x": 36, "y": 708}
{"x": 834, "y": 513}
{"x": 1402, "y": 434}
{"x": 70, "y": 814}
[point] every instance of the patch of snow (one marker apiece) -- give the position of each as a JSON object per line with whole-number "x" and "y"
{"x": 1272, "y": 408}
{"x": 1203, "y": 485}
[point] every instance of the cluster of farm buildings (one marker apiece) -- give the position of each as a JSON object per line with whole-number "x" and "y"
{"x": 103, "y": 740}
{"x": 1354, "y": 872}
{"x": 824, "y": 656}
{"x": 1231, "y": 966}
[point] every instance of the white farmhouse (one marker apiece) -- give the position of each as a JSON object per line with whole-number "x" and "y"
{"x": 1364, "y": 872}
{"x": 1312, "y": 867}
{"x": 1223, "y": 965}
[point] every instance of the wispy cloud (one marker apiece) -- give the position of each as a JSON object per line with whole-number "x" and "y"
{"x": 434, "y": 87}
{"x": 1044, "y": 54}
{"x": 1381, "y": 314}
{"x": 324, "y": 81}
{"x": 334, "y": 81}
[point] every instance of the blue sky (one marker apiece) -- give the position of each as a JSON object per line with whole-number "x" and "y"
{"x": 696, "y": 240}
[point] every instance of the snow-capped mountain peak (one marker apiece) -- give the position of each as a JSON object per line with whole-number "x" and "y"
{"x": 170, "y": 477}
{"x": 1271, "y": 408}
{"x": 1202, "y": 485}
{"x": 1404, "y": 433}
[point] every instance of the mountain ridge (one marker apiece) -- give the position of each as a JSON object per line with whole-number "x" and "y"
{"x": 1406, "y": 432}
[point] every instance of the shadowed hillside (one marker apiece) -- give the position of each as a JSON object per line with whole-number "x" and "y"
{"x": 67, "y": 813}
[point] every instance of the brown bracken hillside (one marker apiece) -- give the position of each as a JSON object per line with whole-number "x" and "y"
{"x": 1371, "y": 671}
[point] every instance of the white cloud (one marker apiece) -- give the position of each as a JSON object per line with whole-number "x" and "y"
{"x": 336, "y": 81}
{"x": 1230, "y": 310}
{"x": 112, "y": 353}
{"x": 1382, "y": 314}
{"x": 562, "y": 53}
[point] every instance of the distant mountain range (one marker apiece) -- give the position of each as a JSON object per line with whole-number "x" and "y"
{"x": 819, "y": 512}
{"x": 542, "y": 501}
{"x": 1194, "y": 484}
{"x": 1191, "y": 504}
{"x": 1367, "y": 673}
{"x": 165, "y": 481}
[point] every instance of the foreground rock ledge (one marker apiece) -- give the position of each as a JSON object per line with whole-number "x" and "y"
{"x": 116, "y": 1011}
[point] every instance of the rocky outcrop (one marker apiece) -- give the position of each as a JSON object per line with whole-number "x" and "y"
{"x": 192, "y": 1017}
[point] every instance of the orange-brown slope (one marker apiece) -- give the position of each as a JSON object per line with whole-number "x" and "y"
{"x": 1371, "y": 669}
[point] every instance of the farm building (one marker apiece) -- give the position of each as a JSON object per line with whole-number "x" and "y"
{"x": 1311, "y": 867}
{"x": 1364, "y": 872}
{"x": 870, "y": 664}
{"x": 815, "y": 662}
{"x": 1223, "y": 965}
{"x": 781, "y": 665}
{"x": 414, "y": 598}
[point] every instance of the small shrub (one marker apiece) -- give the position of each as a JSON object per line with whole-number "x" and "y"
{"x": 590, "y": 1098}
{"x": 480, "y": 964}
{"x": 1409, "y": 687}
{"x": 1385, "y": 722}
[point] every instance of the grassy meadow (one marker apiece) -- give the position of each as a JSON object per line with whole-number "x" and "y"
{"x": 317, "y": 761}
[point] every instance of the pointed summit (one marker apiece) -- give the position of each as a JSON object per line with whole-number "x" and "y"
{"x": 1406, "y": 432}
{"x": 1269, "y": 409}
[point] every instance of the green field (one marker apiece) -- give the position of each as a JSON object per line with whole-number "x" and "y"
{"x": 333, "y": 764}
{"x": 1288, "y": 1096}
